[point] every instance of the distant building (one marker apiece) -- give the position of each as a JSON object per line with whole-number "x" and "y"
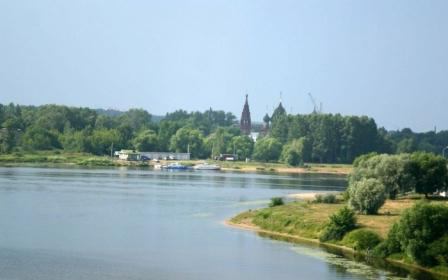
{"x": 265, "y": 127}
{"x": 245, "y": 123}
{"x": 279, "y": 111}
{"x": 254, "y": 136}
{"x": 131, "y": 155}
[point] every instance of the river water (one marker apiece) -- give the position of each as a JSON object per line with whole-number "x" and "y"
{"x": 121, "y": 223}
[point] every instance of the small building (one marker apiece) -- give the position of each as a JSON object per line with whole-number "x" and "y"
{"x": 129, "y": 155}
{"x": 227, "y": 157}
{"x": 254, "y": 136}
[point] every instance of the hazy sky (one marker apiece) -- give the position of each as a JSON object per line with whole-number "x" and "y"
{"x": 385, "y": 59}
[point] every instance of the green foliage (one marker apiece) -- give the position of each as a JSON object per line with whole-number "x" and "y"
{"x": 327, "y": 138}
{"x": 244, "y": 146}
{"x": 367, "y": 196}
{"x": 328, "y": 198}
{"x": 221, "y": 142}
{"x": 421, "y": 172}
{"x": 361, "y": 239}
{"x": 276, "y": 201}
{"x": 295, "y": 152}
{"x": 188, "y": 138}
{"x": 430, "y": 172}
{"x": 146, "y": 141}
{"x": 100, "y": 141}
{"x": 340, "y": 223}
{"x": 420, "y": 234}
{"x": 438, "y": 251}
{"x": 393, "y": 171}
{"x": 38, "y": 138}
{"x": 267, "y": 149}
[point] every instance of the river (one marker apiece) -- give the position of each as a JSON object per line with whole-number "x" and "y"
{"x": 122, "y": 223}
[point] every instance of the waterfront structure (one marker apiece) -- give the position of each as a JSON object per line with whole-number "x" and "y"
{"x": 133, "y": 155}
{"x": 129, "y": 155}
{"x": 245, "y": 122}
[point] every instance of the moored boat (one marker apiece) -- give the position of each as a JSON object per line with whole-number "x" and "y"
{"x": 206, "y": 166}
{"x": 175, "y": 166}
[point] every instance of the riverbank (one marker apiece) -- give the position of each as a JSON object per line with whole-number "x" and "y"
{"x": 303, "y": 221}
{"x": 339, "y": 169}
{"x": 54, "y": 158}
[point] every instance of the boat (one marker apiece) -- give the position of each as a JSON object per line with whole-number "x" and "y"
{"x": 206, "y": 166}
{"x": 174, "y": 166}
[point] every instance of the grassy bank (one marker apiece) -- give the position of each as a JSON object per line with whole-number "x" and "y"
{"x": 49, "y": 158}
{"x": 306, "y": 221}
{"x": 253, "y": 166}
{"x": 45, "y": 158}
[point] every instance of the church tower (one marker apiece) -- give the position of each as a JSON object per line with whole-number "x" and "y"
{"x": 245, "y": 123}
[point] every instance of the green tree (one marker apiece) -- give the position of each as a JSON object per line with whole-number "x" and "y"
{"x": 341, "y": 222}
{"x": 75, "y": 141}
{"x": 296, "y": 152}
{"x": 101, "y": 141}
{"x": 367, "y": 196}
{"x": 244, "y": 146}
{"x": 267, "y": 149}
{"x": 219, "y": 142}
{"x": 188, "y": 138}
{"x": 393, "y": 171}
{"x": 136, "y": 118}
{"x": 418, "y": 228}
{"x": 38, "y": 138}
{"x": 430, "y": 172}
{"x": 146, "y": 141}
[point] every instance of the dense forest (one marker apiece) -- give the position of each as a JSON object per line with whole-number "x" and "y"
{"x": 293, "y": 139}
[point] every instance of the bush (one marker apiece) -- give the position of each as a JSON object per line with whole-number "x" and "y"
{"x": 328, "y": 198}
{"x": 420, "y": 226}
{"x": 367, "y": 196}
{"x": 276, "y": 201}
{"x": 340, "y": 223}
{"x": 389, "y": 246}
{"x": 438, "y": 251}
{"x": 361, "y": 239}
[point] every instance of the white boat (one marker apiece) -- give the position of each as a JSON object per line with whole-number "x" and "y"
{"x": 206, "y": 166}
{"x": 175, "y": 166}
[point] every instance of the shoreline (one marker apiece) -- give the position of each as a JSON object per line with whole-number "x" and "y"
{"x": 107, "y": 162}
{"x": 343, "y": 249}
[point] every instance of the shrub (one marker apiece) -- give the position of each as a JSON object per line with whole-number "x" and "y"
{"x": 438, "y": 250}
{"x": 328, "y": 198}
{"x": 367, "y": 196}
{"x": 389, "y": 246}
{"x": 340, "y": 223}
{"x": 276, "y": 201}
{"x": 420, "y": 226}
{"x": 361, "y": 239}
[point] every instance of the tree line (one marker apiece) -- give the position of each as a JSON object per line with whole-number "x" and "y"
{"x": 293, "y": 139}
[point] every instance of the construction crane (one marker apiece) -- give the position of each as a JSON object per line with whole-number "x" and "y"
{"x": 317, "y": 108}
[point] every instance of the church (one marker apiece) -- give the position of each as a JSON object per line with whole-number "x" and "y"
{"x": 246, "y": 122}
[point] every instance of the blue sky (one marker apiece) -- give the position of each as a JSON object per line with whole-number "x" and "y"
{"x": 385, "y": 59}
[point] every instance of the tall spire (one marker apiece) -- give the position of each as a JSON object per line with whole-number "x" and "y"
{"x": 245, "y": 122}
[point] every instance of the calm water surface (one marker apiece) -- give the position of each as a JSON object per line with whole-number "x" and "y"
{"x": 138, "y": 224}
